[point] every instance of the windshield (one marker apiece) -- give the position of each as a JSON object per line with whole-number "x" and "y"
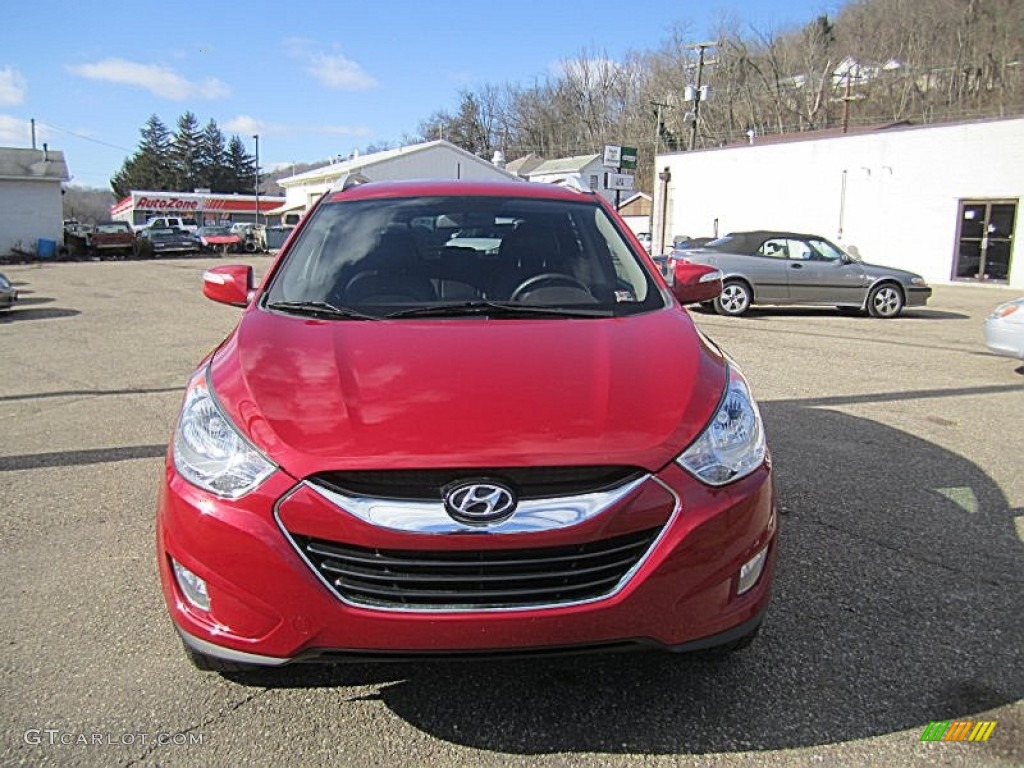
{"x": 112, "y": 229}
{"x": 216, "y": 231}
{"x": 473, "y": 254}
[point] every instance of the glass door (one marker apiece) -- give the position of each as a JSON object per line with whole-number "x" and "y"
{"x": 985, "y": 240}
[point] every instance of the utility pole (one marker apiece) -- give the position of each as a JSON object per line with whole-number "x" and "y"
{"x": 846, "y": 104}
{"x": 257, "y": 137}
{"x": 658, "y": 105}
{"x": 700, "y": 47}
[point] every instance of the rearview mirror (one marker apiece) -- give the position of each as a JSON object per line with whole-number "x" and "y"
{"x": 694, "y": 283}
{"x": 230, "y": 284}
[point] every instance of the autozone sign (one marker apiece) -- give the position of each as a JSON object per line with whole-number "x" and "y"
{"x": 167, "y": 204}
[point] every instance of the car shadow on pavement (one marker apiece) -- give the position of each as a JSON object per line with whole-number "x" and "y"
{"x": 29, "y": 301}
{"x": 21, "y": 313}
{"x": 898, "y": 600}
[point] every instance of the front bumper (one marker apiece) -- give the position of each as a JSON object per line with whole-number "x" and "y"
{"x": 918, "y": 296}
{"x": 270, "y": 607}
{"x": 1004, "y": 338}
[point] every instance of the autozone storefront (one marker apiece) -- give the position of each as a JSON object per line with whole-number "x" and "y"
{"x": 206, "y": 208}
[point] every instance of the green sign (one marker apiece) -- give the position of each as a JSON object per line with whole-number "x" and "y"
{"x": 628, "y": 159}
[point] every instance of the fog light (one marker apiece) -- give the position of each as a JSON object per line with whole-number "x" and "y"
{"x": 750, "y": 572}
{"x": 193, "y": 587}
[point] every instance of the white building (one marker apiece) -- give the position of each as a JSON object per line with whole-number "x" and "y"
{"x": 635, "y": 210}
{"x": 587, "y": 170}
{"x": 431, "y": 160}
{"x": 31, "y": 208}
{"x": 941, "y": 200}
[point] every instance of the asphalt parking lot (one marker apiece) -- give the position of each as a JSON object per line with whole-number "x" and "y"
{"x": 898, "y": 599}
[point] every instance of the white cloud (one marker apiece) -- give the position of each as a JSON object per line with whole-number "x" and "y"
{"x": 340, "y": 72}
{"x": 16, "y": 130}
{"x": 332, "y": 69}
{"x": 161, "y": 81}
{"x": 12, "y": 86}
{"x": 248, "y": 125}
{"x": 243, "y": 124}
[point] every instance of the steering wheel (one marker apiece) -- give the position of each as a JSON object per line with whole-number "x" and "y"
{"x": 557, "y": 278}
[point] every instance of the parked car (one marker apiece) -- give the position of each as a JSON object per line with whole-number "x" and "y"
{"x": 220, "y": 238}
{"x": 1004, "y": 329}
{"x": 184, "y": 223}
{"x": 689, "y": 243}
{"x": 111, "y": 238}
{"x": 162, "y": 242}
{"x": 769, "y": 267}
{"x": 365, "y": 468}
{"x": 8, "y": 293}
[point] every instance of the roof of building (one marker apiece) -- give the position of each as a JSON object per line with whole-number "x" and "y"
{"x": 525, "y": 164}
{"x": 635, "y": 196}
{"x": 33, "y": 164}
{"x": 837, "y": 133}
{"x": 572, "y": 164}
{"x": 362, "y": 162}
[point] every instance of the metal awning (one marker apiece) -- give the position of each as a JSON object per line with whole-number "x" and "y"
{"x": 283, "y": 209}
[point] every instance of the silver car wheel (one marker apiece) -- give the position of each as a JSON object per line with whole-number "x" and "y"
{"x": 734, "y": 299}
{"x": 885, "y": 301}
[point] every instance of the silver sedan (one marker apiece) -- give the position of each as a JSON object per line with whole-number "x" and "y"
{"x": 769, "y": 267}
{"x": 8, "y": 293}
{"x": 1004, "y": 329}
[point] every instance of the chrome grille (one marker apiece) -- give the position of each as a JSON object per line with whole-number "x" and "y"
{"x": 476, "y": 579}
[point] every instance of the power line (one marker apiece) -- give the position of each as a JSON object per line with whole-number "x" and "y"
{"x": 83, "y": 137}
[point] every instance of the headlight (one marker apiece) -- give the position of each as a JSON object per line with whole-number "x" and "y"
{"x": 732, "y": 446}
{"x": 209, "y": 452}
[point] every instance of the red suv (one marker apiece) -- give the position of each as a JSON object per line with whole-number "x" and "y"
{"x": 459, "y": 418}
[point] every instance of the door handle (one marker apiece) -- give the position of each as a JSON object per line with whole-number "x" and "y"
{"x": 796, "y": 266}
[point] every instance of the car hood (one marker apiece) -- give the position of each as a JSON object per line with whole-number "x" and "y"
{"x": 875, "y": 271}
{"x": 318, "y": 395}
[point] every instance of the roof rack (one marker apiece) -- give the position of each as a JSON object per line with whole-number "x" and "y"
{"x": 348, "y": 181}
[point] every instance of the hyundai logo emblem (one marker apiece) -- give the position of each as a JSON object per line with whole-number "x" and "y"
{"x": 479, "y": 502}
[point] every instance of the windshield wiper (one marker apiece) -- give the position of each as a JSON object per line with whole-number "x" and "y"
{"x": 495, "y": 308}
{"x": 319, "y": 308}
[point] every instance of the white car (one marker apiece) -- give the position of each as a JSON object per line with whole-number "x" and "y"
{"x": 1004, "y": 329}
{"x": 186, "y": 224}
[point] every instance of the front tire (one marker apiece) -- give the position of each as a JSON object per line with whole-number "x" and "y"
{"x": 734, "y": 300}
{"x": 885, "y": 301}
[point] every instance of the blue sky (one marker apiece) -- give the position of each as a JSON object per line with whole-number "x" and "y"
{"x": 311, "y": 78}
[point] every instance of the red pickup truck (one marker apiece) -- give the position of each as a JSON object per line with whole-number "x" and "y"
{"x": 111, "y": 237}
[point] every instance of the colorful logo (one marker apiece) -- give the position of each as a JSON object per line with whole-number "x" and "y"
{"x": 958, "y": 730}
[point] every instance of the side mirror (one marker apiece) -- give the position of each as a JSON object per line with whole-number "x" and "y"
{"x": 230, "y": 284}
{"x": 694, "y": 283}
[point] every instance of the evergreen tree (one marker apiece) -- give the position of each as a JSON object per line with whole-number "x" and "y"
{"x": 191, "y": 159}
{"x": 149, "y": 167}
{"x": 185, "y": 153}
{"x": 241, "y": 168}
{"x": 213, "y": 171}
